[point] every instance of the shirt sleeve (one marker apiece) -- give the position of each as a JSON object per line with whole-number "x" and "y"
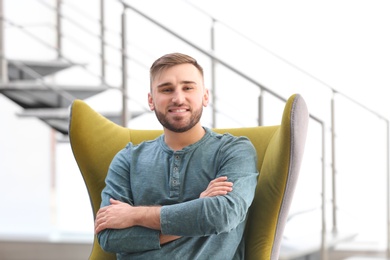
{"x": 215, "y": 215}
{"x": 129, "y": 240}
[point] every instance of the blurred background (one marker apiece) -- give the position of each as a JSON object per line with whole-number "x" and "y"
{"x": 255, "y": 55}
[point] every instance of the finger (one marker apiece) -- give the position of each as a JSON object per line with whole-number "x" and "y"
{"x": 219, "y": 179}
{"x": 225, "y": 183}
{"x": 221, "y": 189}
{"x": 103, "y": 209}
{"x": 99, "y": 226}
{"x": 216, "y": 191}
{"x": 220, "y": 185}
{"x": 98, "y": 221}
{"x": 113, "y": 201}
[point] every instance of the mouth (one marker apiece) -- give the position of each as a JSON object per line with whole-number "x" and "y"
{"x": 178, "y": 110}
{"x": 181, "y": 110}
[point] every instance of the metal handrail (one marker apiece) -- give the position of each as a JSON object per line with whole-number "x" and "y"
{"x": 284, "y": 60}
{"x": 82, "y": 28}
{"x": 202, "y": 50}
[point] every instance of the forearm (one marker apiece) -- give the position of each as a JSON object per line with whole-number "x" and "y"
{"x": 212, "y": 215}
{"x": 122, "y": 227}
{"x": 193, "y": 218}
{"x": 148, "y": 216}
{"x": 120, "y": 222}
{"x": 130, "y": 240}
{"x": 125, "y": 232}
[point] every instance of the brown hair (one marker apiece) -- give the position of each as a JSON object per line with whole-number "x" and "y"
{"x": 170, "y": 60}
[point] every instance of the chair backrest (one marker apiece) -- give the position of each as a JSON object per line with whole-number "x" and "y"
{"x": 95, "y": 140}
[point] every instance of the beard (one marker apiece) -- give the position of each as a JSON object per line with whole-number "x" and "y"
{"x": 178, "y": 124}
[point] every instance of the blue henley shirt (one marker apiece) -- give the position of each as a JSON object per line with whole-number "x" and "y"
{"x": 153, "y": 174}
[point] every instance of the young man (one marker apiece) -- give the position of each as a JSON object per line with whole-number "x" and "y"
{"x": 186, "y": 194}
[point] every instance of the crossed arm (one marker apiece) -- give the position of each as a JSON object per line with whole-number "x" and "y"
{"x": 119, "y": 215}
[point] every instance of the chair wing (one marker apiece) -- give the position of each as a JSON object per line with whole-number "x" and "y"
{"x": 282, "y": 154}
{"x": 95, "y": 140}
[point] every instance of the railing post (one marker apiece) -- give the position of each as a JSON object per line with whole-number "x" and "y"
{"x": 213, "y": 80}
{"x": 59, "y": 28}
{"x": 3, "y": 60}
{"x": 102, "y": 43}
{"x": 324, "y": 251}
{"x": 260, "y": 104}
{"x": 334, "y": 170}
{"x": 125, "y": 115}
{"x": 388, "y": 186}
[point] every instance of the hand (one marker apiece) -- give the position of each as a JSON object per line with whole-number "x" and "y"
{"x": 114, "y": 216}
{"x": 218, "y": 186}
{"x": 120, "y": 215}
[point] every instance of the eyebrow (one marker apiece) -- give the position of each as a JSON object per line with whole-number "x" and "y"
{"x": 165, "y": 84}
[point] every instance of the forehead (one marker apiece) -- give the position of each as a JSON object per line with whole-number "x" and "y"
{"x": 178, "y": 73}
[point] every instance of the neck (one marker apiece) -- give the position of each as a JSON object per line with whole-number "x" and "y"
{"x": 177, "y": 141}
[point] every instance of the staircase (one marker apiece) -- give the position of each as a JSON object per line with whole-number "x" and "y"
{"x": 32, "y": 83}
{"x": 26, "y": 87}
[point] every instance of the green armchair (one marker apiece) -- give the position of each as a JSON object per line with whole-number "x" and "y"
{"x": 95, "y": 140}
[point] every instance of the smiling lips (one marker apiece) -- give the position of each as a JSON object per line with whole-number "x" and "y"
{"x": 178, "y": 110}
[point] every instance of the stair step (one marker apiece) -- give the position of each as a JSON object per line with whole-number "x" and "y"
{"x": 28, "y": 70}
{"x": 58, "y": 118}
{"x": 35, "y": 95}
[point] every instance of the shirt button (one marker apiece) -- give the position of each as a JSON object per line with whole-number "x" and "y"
{"x": 175, "y": 169}
{"x": 177, "y": 157}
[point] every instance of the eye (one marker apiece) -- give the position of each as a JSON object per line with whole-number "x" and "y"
{"x": 166, "y": 90}
{"x": 188, "y": 87}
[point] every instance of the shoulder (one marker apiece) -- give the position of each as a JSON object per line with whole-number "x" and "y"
{"x": 228, "y": 138}
{"x": 131, "y": 149}
{"x": 229, "y": 141}
{"x": 145, "y": 145}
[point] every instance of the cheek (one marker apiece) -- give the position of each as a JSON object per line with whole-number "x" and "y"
{"x": 159, "y": 103}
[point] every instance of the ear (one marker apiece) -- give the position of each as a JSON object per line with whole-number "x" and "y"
{"x": 150, "y": 102}
{"x": 205, "y": 97}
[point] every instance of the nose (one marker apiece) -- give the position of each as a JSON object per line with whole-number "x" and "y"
{"x": 178, "y": 97}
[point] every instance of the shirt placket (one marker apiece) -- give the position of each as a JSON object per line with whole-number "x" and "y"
{"x": 175, "y": 176}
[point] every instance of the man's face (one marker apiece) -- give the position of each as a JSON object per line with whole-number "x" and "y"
{"x": 177, "y": 97}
